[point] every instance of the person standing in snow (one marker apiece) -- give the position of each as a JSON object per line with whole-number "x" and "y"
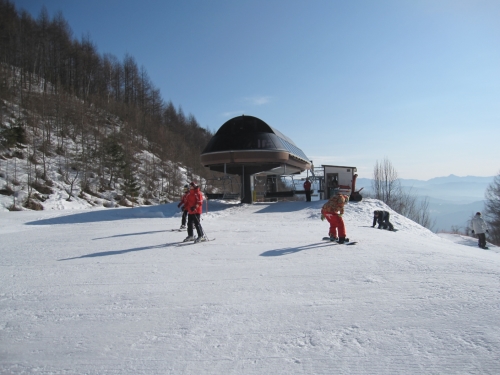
{"x": 194, "y": 202}
{"x": 333, "y": 211}
{"x": 307, "y": 189}
{"x": 479, "y": 227}
{"x": 182, "y": 205}
{"x": 382, "y": 217}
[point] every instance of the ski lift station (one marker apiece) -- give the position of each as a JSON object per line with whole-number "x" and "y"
{"x": 247, "y": 147}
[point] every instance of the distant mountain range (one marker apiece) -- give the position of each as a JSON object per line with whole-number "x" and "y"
{"x": 452, "y": 199}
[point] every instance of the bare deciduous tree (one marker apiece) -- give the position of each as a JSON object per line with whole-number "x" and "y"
{"x": 70, "y": 180}
{"x": 385, "y": 184}
{"x": 492, "y": 209}
{"x": 387, "y": 187}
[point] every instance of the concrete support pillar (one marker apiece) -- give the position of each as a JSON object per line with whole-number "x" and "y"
{"x": 247, "y": 188}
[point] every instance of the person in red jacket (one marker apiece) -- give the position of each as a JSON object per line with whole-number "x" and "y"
{"x": 194, "y": 201}
{"x": 307, "y": 189}
{"x": 183, "y": 207}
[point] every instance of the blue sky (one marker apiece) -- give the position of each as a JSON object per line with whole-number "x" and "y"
{"x": 351, "y": 82}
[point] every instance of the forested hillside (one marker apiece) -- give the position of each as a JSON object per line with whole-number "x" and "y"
{"x": 97, "y": 121}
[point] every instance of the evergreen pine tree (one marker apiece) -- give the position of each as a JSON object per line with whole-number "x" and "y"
{"x": 130, "y": 186}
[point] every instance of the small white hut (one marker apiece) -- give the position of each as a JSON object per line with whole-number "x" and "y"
{"x": 338, "y": 177}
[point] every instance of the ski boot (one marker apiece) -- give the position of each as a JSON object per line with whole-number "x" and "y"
{"x": 200, "y": 239}
{"x": 188, "y": 238}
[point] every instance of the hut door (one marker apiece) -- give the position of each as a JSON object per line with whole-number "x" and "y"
{"x": 332, "y": 182}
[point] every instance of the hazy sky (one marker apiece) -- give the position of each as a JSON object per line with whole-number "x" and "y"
{"x": 351, "y": 81}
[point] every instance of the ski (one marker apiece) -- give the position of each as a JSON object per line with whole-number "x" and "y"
{"x": 177, "y": 230}
{"x": 209, "y": 240}
{"x": 206, "y": 240}
{"x": 193, "y": 242}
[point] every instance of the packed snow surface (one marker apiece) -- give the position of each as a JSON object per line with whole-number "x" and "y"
{"x": 114, "y": 291}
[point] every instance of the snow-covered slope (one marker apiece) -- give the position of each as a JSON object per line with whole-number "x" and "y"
{"x": 113, "y": 291}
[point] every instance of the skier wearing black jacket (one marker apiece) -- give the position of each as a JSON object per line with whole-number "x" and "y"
{"x": 382, "y": 217}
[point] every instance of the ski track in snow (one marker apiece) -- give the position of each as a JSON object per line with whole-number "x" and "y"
{"x": 107, "y": 291}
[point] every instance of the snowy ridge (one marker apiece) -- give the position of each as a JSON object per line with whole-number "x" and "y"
{"x": 108, "y": 291}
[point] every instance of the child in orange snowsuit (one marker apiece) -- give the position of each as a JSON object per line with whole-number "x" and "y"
{"x": 333, "y": 211}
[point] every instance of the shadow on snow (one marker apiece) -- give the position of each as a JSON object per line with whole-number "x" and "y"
{"x": 130, "y": 234}
{"x": 288, "y": 206}
{"x": 168, "y": 210}
{"x": 292, "y": 250}
{"x": 119, "y": 252}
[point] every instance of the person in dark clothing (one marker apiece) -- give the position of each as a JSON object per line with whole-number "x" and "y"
{"x": 382, "y": 218}
{"x": 307, "y": 189}
{"x": 183, "y": 207}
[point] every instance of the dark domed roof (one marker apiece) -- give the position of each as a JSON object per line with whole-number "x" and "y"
{"x": 247, "y": 145}
{"x": 251, "y": 133}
